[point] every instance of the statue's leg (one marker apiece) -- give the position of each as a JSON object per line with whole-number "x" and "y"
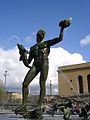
{"x": 28, "y": 78}
{"x": 43, "y": 77}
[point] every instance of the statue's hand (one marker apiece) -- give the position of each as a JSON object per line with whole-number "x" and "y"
{"x": 23, "y": 55}
{"x": 23, "y": 52}
{"x": 65, "y": 23}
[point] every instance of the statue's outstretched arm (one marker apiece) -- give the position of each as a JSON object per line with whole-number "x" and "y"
{"x": 63, "y": 24}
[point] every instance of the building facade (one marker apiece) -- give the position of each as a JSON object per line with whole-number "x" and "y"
{"x": 74, "y": 79}
{"x": 13, "y": 96}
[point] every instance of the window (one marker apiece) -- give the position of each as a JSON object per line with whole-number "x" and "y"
{"x": 80, "y": 82}
{"x": 88, "y": 81}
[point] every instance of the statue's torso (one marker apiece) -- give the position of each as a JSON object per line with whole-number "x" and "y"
{"x": 40, "y": 53}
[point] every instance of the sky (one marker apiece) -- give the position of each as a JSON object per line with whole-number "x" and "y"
{"x": 19, "y": 22}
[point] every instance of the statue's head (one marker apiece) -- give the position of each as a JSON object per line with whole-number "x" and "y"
{"x": 40, "y": 35}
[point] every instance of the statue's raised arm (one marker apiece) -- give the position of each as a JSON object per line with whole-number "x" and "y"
{"x": 62, "y": 24}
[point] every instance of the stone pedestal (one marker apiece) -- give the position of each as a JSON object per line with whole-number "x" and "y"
{"x": 35, "y": 114}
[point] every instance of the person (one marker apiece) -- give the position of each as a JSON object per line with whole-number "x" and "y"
{"x": 39, "y": 52}
{"x": 76, "y": 108}
{"x": 66, "y": 112}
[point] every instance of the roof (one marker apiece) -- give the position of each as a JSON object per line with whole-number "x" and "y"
{"x": 74, "y": 66}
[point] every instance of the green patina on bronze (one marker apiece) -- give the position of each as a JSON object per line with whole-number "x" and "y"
{"x": 39, "y": 52}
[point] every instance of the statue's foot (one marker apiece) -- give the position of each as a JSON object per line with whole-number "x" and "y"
{"x": 21, "y": 110}
{"x": 34, "y": 114}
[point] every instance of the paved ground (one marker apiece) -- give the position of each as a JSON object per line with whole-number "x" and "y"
{"x": 45, "y": 117}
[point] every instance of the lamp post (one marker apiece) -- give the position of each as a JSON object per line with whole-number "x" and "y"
{"x": 5, "y": 75}
{"x": 50, "y": 88}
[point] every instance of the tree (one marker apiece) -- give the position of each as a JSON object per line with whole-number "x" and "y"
{"x": 2, "y": 90}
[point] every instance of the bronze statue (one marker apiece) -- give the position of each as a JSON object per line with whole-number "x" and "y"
{"x": 39, "y": 52}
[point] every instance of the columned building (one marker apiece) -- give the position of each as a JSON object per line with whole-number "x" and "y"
{"x": 74, "y": 79}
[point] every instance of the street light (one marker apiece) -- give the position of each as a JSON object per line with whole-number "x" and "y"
{"x": 50, "y": 88}
{"x": 5, "y": 75}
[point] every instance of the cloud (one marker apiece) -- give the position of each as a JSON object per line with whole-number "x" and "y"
{"x": 60, "y": 57}
{"x": 9, "y": 60}
{"x": 85, "y": 41}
